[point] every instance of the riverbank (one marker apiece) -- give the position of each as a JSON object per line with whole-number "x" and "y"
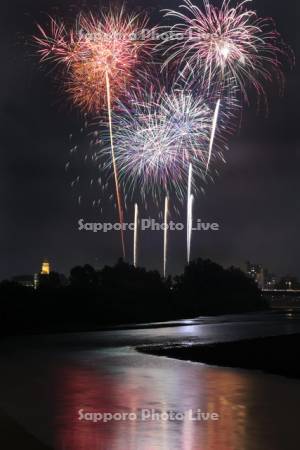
{"x": 276, "y": 355}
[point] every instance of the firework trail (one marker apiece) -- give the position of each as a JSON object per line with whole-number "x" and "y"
{"x": 115, "y": 170}
{"x": 190, "y": 199}
{"x": 213, "y": 132}
{"x": 100, "y": 59}
{"x": 226, "y": 47}
{"x": 166, "y": 218}
{"x": 135, "y": 239}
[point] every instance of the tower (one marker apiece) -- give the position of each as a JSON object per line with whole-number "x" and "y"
{"x": 45, "y": 268}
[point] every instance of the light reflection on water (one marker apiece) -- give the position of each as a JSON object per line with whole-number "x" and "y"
{"x": 46, "y": 380}
{"x": 248, "y": 404}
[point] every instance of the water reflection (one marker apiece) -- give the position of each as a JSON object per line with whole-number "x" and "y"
{"x": 163, "y": 385}
{"x": 64, "y": 373}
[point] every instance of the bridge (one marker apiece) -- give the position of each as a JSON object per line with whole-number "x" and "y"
{"x": 281, "y": 291}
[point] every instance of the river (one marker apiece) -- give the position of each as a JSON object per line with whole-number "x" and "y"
{"x": 46, "y": 380}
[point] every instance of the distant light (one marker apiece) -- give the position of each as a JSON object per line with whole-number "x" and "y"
{"x": 45, "y": 268}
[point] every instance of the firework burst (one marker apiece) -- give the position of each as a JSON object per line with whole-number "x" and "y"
{"x": 157, "y": 136}
{"x": 96, "y": 48}
{"x": 226, "y": 46}
{"x": 99, "y": 59}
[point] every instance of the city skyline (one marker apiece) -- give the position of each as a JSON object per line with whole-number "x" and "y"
{"x": 264, "y": 279}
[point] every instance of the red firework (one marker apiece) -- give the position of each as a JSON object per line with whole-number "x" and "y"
{"x": 96, "y": 48}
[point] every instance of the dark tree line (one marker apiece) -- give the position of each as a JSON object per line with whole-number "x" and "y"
{"x": 125, "y": 294}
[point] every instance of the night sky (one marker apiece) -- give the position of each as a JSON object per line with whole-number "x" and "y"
{"x": 255, "y": 198}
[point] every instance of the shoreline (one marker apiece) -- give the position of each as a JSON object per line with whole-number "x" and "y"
{"x": 129, "y": 325}
{"x": 275, "y": 355}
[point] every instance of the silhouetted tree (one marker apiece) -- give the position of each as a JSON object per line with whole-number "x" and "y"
{"x": 51, "y": 281}
{"x": 84, "y": 277}
{"x": 209, "y": 288}
{"x": 123, "y": 293}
